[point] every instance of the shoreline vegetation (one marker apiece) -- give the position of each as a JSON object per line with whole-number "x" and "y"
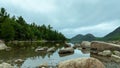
{"x": 16, "y": 28}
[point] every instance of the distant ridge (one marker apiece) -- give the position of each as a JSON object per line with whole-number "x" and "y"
{"x": 79, "y": 38}
{"x": 114, "y": 35}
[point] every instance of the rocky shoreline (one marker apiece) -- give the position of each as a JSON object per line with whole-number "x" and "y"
{"x": 97, "y": 49}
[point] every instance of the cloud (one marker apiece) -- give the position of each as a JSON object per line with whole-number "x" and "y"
{"x": 39, "y": 6}
{"x": 98, "y": 30}
{"x": 68, "y": 16}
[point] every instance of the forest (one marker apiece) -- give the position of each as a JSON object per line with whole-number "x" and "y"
{"x": 16, "y": 28}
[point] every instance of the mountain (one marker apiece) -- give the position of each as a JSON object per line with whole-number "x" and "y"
{"x": 79, "y": 38}
{"x": 114, "y": 35}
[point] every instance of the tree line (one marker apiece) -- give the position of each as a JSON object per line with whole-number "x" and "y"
{"x": 12, "y": 28}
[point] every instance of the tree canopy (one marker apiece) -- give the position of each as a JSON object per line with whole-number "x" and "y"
{"x": 12, "y": 28}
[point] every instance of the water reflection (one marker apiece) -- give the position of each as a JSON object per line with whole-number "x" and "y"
{"x": 32, "y": 59}
{"x": 26, "y": 51}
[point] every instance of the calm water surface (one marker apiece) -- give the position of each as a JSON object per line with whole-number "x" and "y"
{"x": 26, "y": 51}
{"x": 34, "y": 59}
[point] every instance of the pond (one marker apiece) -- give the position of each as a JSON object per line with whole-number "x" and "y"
{"x": 26, "y": 51}
{"x": 32, "y": 59}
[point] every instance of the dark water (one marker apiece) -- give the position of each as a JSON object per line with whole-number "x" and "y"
{"x": 26, "y": 51}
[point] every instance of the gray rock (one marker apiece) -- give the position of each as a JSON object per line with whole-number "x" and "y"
{"x": 3, "y": 46}
{"x": 100, "y": 46}
{"x": 81, "y": 63}
{"x": 41, "y": 49}
{"x": 66, "y": 50}
{"x": 85, "y": 44}
{"x": 76, "y": 45}
{"x": 57, "y": 44}
{"x": 51, "y": 49}
{"x": 79, "y": 48}
{"x": 115, "y": 58}
{"x": 67, "y": 45}
{"x": 105, "y": 53}
{"x": 6, "y": 65}
{"x": 19, "y": 61}
{"x": 116, "y": 53}
{"x": 44, "y": 65}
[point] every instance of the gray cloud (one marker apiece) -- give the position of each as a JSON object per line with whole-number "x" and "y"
{"x": 70, "y": 17}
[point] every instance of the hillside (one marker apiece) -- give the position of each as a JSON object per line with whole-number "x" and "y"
{"x": 12, "y": 28}
{"x": 79, "y": 38}
{"x": 114, "y": 35}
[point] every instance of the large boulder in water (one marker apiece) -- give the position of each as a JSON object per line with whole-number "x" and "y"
{"x": 101, "y": 46}
{"x": 66, "y": 50}
{"x": 85, "y": 44}
{"x": 81, "y": 63}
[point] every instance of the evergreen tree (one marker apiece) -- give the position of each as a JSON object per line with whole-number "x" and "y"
{"x": 18, "y": 29}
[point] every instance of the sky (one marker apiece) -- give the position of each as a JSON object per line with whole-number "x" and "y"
{"x": 71, "y": 17}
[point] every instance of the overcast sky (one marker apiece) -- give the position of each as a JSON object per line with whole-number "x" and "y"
{"x": 71, "y": 17}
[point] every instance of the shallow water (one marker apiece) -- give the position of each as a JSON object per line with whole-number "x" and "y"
{"x": 34, "y": 59}
{"x": 26, "y": 51}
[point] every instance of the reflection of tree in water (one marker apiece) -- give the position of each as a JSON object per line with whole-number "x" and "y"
{"x": 24, "y": 51}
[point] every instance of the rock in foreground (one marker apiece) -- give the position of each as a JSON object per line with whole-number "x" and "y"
{"x": 81, "y": 63}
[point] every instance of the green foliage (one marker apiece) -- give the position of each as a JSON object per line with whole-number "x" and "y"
{"x": 12, "y": 28}
{"x": 79, "y": 38}
{"x": 7, "y": 31}
{"x": 115, "y": 35}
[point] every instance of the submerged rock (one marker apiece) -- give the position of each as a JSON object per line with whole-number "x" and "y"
{"x": 41, "y": 49}
{"x": 6, "y": 65}
{"x": 81, "y": 63}
{"x": 63, "y": 55}
{"x": 51, "y": 49}
{"x": 66, "y": 50}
